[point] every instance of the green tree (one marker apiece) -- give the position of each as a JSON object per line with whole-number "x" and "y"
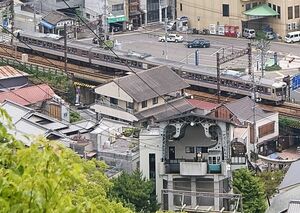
{"x": 271, "y": 180}
{"x": 136, "y": 191}
{"x": 47, "y": 177}
{"x": 252, "y": 190}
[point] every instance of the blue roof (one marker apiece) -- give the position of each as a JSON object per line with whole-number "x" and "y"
{"x": 47, "y": 25}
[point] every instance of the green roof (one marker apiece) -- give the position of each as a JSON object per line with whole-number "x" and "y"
{"x": 261, "y": 10}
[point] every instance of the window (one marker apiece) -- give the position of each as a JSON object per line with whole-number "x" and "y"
{"x": 114, "y": 101}
{"x": 117, "y": 7}
{"x": 189, "y": 149}
{"x": 274, "y": 7}
{"x": 144, "y": 104}
{"x": 297, "y": 11}
{"x": 180, "y": 6}
{"x": 152, "y": 166}
{"x": 226, "y": 10}
{"x": 270, "y": 5}
{"x": 248, "y": 6}
{"x": 290, "y": 12}
{"x": 266, "y": 129}
{"x": 278, "y": 11}
{"x": 129, "y": 105}
{"x": 254, "y": 4}
{"x": 154, "y": 100}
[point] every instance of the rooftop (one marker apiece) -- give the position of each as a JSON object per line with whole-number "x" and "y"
{"x": 10, "y": 72}
{"x": 28, "y": 95}
{"x": 202, "y": 104}
{"x": 151, "y": 83}
{"x": 291, "y": 178}
{"x": 54, "y": 17}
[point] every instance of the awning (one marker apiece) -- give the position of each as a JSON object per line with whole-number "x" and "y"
{"x": 47, "y": 25}
{"x": 115, "y": 19}
{"x": 261, "y": 10}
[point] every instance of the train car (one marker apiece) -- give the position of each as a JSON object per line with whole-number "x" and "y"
{"x": 234, "y": 83}
{"x": 81, "y": 53}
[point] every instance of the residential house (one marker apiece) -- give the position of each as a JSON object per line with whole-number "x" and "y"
{"x": 41, "y": 98}
{"x": 264, "y": 140}
{"x": 280, "y": 15}
{"x": 287, "y": 199}
{"x": 11, "y": 78}
{"x": 188, "y": 157}
{"x": 152, "y": 93}
{"x": 44, "y": 6}
{"x": 54, "y": 23}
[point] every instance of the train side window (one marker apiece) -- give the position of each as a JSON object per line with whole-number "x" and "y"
{"x": 96, "y": 55}
{"x": 269, "y": 90}
{"x": 134, "y": 63}
{"x": 40, "y": 43}
{"x": 140, "y": 64}
{"x": 84, "y": 53}
{"x": 273, "y": 90}
{"x": 49, "y": 44}
{"x": 58, "y": 47}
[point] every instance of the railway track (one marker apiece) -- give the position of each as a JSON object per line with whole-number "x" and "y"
{"x": 78, "y": 71}
{"x": 287, "y": 109}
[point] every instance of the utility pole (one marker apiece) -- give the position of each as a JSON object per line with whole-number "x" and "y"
{"x": 166, "y": 37}
{"x": 12, "y": 19}
{"x": 249, "y": 59}
{"x": 34, "y": 16}
{"x": 218, "y": 76}
{"x": 254, "y": 115}
{"x": 105, "y": 19}
{"x": 65, "y": 48}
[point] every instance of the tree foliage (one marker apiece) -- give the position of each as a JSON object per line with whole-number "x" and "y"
{"x": 136, "y": 191}
{"x": 252, "y": 190}
{"x": 47, "y": 177}
{"x": 271, "y": 180}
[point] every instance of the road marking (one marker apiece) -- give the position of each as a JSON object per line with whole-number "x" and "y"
{"x": 187, "y": 57}
{"x": 280, "y": 74}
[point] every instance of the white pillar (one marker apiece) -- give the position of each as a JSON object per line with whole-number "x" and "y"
{"x": 170, "y": 194}
{"x": 160, "y": 11}
{"x": 193, "y": 189}
{"x": 216, "y": 190}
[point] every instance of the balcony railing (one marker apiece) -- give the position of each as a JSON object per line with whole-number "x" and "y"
{"x": 192, "y": 168}
{"x": 114, "y": 106}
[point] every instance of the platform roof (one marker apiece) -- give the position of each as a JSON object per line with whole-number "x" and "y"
{"x": 261, "y": 10}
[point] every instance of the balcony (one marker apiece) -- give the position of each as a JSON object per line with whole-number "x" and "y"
{"x": 191, "y": 168}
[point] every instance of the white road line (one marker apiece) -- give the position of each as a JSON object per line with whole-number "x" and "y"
{"x": 280, "y": 74}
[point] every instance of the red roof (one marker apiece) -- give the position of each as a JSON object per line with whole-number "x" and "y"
{"x": 28, "y": 95}
{"x": 202, "y": 104}
{"x": 10, "y": 72}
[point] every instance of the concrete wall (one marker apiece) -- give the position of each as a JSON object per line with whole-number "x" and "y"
{"x": 113, "y": 90}
{"x": 150, "y": 104}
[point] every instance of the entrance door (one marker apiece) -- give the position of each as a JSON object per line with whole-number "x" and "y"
{"x": 172, "y": 153}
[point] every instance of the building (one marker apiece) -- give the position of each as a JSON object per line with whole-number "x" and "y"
{"x": 116, "y": 14}
{"x": 54, "y": 23}
{"x": 287, "y": 199}
{"x": 158, "y": 10}
{"x": 267, "y": 127}
{"x": 152, "y": 93}
{"x": 222, "y": 17}
{"x": 45, "y": 6}
{"x": 11, "y": 78}
{"x": 188, "y": 156}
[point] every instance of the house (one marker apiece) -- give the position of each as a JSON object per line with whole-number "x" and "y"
{"x": 241, "y": 113}
{"x": 39, "y": 97}
{"x": 11, "y": 78}
{"x": 152, "y": 93}
{"x": 234, "y": 16}
{"x": 287, "y": 199}
{"x": 188, "y": 157}
{"x": 54, "y": 23}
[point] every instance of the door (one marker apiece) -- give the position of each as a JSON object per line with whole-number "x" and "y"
{"x": 172, "y": 153}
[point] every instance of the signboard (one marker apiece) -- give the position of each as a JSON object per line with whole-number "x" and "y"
{"x": 296, "y": 82}
{"x": 116, "y": 19}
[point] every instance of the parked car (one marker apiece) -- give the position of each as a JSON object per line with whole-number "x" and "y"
{"x": 171, "y": 38}
{"x": 249, "y": 33}
{"x": 292, "y": 37}
{"x": 198, "y": 43}
{"x": 270, "y": 35}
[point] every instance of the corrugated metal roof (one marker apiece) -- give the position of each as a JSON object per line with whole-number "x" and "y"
{"x": 54, "y": 17}
{"x": 28, "y": 95}
{"x": 294, "y": 206}
{"x": 156, "y": 82}
{"x": 164, "y": 111}
{"x": 10, "y": 72}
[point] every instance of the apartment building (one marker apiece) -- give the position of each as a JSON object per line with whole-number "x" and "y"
{"x": 280, "y": 15}
{"x": 152, "y": 93}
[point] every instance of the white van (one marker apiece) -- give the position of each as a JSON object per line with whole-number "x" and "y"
{"x": 249, "y": 33}
{"x": 292, "y": 37}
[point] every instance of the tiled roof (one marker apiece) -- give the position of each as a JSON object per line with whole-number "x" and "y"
{"x": 292, "y": 177}
{"x": 243, "y": 109}
{"x": 156, "y": 82}
{"x": 28, "y": 95}
{"x": 54, "y": 17}
{"x": 202, "y": 104}
{"x": 10, "y": 72}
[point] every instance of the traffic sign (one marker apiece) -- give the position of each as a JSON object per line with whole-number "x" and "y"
{"x": 296, "y": 82}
